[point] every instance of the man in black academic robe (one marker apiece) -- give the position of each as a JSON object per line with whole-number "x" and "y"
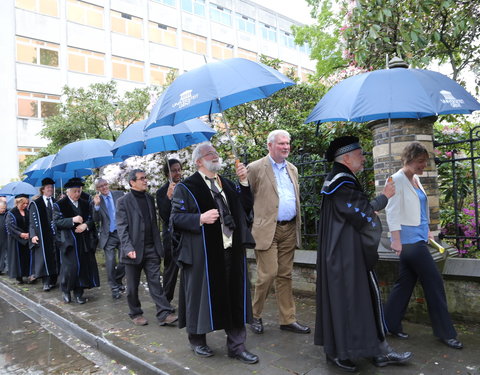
{"x": 348, "y": 319}
{"x": 210, "y": 216}
{"x": 76, "y": 240}
{"x": 45, "y": 256}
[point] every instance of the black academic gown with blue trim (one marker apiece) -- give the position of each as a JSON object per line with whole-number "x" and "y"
{"x": 349, "y": 314}
{"x": 211, "y": 298}
{"x": 78, "y": 268}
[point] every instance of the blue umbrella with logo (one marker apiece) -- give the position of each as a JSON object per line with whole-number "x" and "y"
{"x": 18, "y": 187}
{"x": 393, "y": 93}
{"x": 213, "y": 88}
{"x": 85, "y": 154}
{"x": 135, "y": 140}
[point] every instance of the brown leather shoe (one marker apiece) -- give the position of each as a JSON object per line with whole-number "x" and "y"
{"x": 168, "y": 320}
{"x": 139, "y": 320}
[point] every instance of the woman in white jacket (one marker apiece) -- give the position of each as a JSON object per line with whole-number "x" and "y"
{"x": 408, "y": 219}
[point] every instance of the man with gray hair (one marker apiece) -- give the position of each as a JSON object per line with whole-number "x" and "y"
{"x": 276, "y": 229}
{"x": 209, "y": 213}
{"x": 103, "y": 213}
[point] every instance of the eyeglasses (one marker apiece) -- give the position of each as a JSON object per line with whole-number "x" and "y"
{"x": 102, "y": 186}
{"x": 143, "y": 178}
{"x": 211, "y": 153}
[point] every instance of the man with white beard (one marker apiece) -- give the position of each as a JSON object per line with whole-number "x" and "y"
{"x": 209, "y": 213}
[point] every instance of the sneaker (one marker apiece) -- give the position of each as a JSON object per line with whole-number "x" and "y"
{"x": 140, "y": 321}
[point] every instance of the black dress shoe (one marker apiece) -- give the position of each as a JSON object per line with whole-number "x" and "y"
{"x": 400, "y": 335}
{"x": 257, "y": 326}
{"x": 453, "y": 343}
{"x": 80, "y": 300}
{"x": 46, "y": 287}
{"x": 344, "y": 364}
{"x": 295, "y": 327}
{"x": 202, "y": 350}
{"x": 121, "y": 288}
{"x": 67, "y": 298}
{"x": 391, "y": 358}
{"x": 116, "y": 294}
{"x": 245, "y": 357}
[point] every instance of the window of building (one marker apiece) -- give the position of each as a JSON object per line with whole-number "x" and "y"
{"x": 84, "y": 61}
{"x": 172, "y": 3}
{"x": 220, "y": 14}
{"x": 37, "y": 52}
{"x": 194, "y": 43}
{"x": 23, "y": 152}
{"x": 287, "y": 39}
{"x": 221, "y": 50}
{"x": 245, "y": 24}
{"x": 85, "y": 13}
{"x": 305, "y": 48}
{"x": 48, "y": 7}
{"x": 162, "y": 34}
{"x": 268, "y": 32}
{"x": 126, "y": 24}
{"x": 194, "y": 6}
{"x": 128, "y": 69}
{"x": 246, "y": 54}
{"x": 158, "y": 74}
{"x": 34, "y": 105}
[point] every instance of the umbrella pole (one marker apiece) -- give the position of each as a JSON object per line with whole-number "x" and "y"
{"x": 227, "y": 130}
{"x": 390, "y": 146}
{"x": 169, "y": 177}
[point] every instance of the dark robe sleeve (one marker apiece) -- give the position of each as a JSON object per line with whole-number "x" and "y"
{"x": 13, "y": 230}
{"x": 164, "y": 204}
{"x": 185, "y": 215}
{"x": 60, "y": 221}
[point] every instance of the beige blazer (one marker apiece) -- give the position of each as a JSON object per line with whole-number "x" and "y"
{"x": 265, "y": 205}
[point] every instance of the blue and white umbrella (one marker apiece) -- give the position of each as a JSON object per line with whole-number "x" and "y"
{"x": 18, "y": 187}
{"x": 213, "y": 88}
{"x": 135, "y": 140}
{"x": 88, "y": 153}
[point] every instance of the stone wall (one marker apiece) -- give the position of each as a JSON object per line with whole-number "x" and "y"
{"x": 463, "y": 293}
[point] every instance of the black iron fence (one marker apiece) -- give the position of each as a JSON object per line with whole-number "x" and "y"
{"x": 458, "y": 166}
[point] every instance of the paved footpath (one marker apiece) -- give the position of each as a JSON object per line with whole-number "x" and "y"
{"x": 103, "y": 323}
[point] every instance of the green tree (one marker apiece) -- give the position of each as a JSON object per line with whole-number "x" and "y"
{"x": 97, "y": 111}
{"x": 446, "y": 31}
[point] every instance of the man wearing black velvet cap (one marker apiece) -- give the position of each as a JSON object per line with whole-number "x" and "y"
{"x": 44, "y": 254}
{"x": 75, "y": 238}
{"x": 349, "y": 310}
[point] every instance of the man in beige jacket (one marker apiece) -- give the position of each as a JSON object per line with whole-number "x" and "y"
{"x": 276, "y": 229}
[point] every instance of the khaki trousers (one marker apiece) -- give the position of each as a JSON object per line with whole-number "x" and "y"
{"x": 274, "y": 266}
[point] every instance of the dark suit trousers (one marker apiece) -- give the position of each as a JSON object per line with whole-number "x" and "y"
{"x": 151, "y": 266}
{"x": 115, "y": 272}
{"x": 417, "y": 263}
{"x": 170, "y": 272}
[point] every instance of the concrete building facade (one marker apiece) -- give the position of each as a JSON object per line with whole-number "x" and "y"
{"x": 47, "y": 44}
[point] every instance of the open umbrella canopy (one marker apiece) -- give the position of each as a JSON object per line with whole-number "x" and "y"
{"x": 88, "y": 153}
{"x": 39, "y": 165}
{"x": 213, "y": 88}
{"x": 393, "y": 93}
{"x": 134, "y": 140}
{"x": 60, "y": 178}
{"x": 18, "y": 187}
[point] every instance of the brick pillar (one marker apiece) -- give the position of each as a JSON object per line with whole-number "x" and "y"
{"x": 405, "y": 131}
